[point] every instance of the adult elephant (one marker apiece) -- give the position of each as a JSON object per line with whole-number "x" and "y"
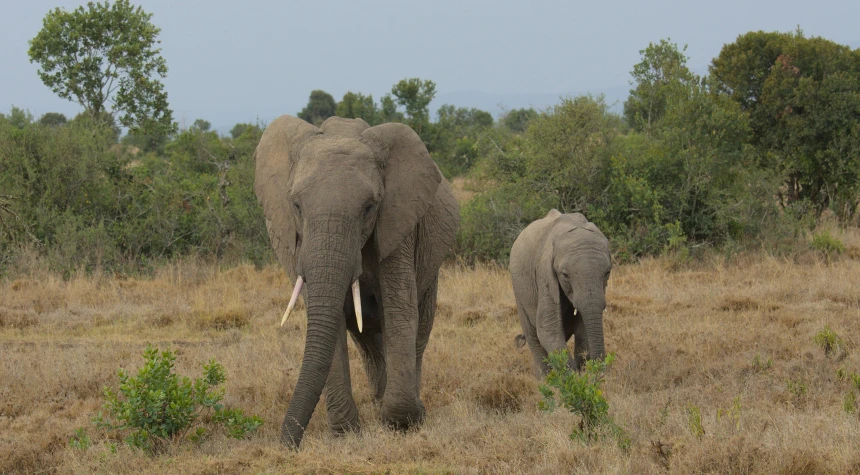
{"x": 349, "y": 205}
{"x": 559, "y": 267}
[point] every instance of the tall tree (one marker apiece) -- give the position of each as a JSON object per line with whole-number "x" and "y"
{"x": 358, "y": 106}
{"x": 453, "y": 138}
{"x": 105, "y": 58}
{"x": 662, "y": 66}
{"x": 201, "y": 125}
{"x": 321, "y": 106}
{"x": 415, "y": 95}
{"x": 388, "y": 110}
{"x": 518, "y": 119}
{"x": 803, "y": 98}
{"x": 52, "y": 119}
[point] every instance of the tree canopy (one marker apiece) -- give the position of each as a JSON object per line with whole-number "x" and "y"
{"x": 321, "y": 106}
{"x": 105, "y": 57}
{"x": 662, "y": 67}
{"x": 415, "y": 96}
{"x": 802, "y": 95}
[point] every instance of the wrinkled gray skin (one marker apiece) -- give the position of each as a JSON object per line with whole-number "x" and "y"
{"x": 348, "y": 201}
{"x": 560, "y": 263}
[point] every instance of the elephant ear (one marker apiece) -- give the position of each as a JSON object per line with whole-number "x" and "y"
{"x": 274, "y": 161}
{"x": 411, "y": 179}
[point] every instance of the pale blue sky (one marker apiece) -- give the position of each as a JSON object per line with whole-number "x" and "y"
{"x": 238, "y": 61}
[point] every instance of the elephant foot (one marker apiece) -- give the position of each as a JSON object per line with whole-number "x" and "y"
{"x": 401, "y": 417}
{"x": 343, "y": 425}
{"x": 343, "y": 417}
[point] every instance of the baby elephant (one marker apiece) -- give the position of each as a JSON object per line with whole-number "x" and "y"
{"x": 559, "y": 267}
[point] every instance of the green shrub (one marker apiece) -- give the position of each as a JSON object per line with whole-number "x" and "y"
{"x": 80, "y": 441}
{"x": 759, "y": 365}
{"x": 581, "y": 395}
{"x": 694, "y": 419}
{"x": 849, "y": 402}
{"x": 691, "y": 182}
{"x": 827, "y": 339}
{"x": 157, "y": 407}
{"x": 826, "y": 243}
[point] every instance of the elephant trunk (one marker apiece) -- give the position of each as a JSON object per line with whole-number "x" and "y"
{"x": 328, "y": 267}
{"x": 592, "y": 316}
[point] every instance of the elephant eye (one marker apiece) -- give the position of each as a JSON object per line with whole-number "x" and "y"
{"x": 368, "y": 209}
{"x": 297, "y": 208}
{"x": 565, "y": 274}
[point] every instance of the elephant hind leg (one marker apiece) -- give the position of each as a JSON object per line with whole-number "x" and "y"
{"x": 340, "y": 406}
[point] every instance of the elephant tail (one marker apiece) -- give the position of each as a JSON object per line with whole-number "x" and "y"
{"x": 520, "y": 341}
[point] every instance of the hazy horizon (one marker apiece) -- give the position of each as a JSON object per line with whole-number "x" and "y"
{"x": 230, "y": 63}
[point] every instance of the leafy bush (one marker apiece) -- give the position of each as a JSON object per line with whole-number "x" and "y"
{"x": 827, "y": 339}
{"x": 694, "y": 419}
{"x": 83, "y": 202}
{"x": 80, "y": 441}
{"x": 581, "y": 395}
{"x": 689, "y": 182}
{"x": 826, "y": 243}
{"x": 157, "y": 406}
{"x": 849, "y": 401}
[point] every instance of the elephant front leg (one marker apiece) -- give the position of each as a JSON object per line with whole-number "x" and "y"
{"x": 550, "y": 329}
{"x": 426, "y": 315}
{"x": 372, "y": 352}
{"x": 401, "y": 406}
{"x": 340, "y": 406}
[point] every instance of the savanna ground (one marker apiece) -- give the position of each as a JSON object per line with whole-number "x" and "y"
{"x": 732, "y": 338}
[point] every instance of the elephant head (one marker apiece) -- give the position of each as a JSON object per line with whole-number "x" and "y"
{"x": 333, "y": 196}
{"x": 579, "y": 268}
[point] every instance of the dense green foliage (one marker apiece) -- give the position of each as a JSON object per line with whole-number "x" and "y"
{"x": 453, "y": 138}
{"x": 104, "y": 57}
{"x": 415, "y": 96}
{"x": 157, "y": 406}
{"x": 321, "y": 106}
{"x": 751, "y": 154}
{"x": 662, "y": 68}
{"x": 802, "y": 96}
{"x": 75, "y": 197}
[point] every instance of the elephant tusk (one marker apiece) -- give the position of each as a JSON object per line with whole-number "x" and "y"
{"x": 356, "y": 300}
{"x": 574, "y": 312}
{"x": 293, "y": 299}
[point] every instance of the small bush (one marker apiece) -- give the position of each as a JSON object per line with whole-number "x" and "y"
{"x": 159, "y": 407}
{"x": 694, "y": 419}
{"x": 581, "y": 395}
{"x": 80, "y": 441}
{"x": 849, "y": 403}
{"x": 760, "y": 365}
{"x": 828, "y": 340}
{"x": 827, "y": 243}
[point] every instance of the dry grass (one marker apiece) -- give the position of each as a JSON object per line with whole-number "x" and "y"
{"x": 694, "y": 336}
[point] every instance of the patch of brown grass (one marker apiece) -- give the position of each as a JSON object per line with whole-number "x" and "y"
{"x": 697, "y": 334}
